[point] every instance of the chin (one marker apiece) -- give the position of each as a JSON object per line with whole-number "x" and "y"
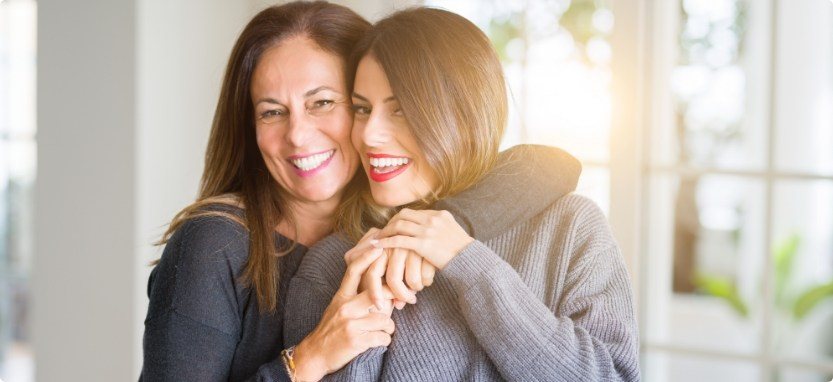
{"x": 390, "y": 198}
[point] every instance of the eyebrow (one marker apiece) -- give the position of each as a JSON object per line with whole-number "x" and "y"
{"x": 318, "y": 89}
{"x": 268, "y": 100}
{"x": 309, "y": 93}
{"x": 363, "y": 98}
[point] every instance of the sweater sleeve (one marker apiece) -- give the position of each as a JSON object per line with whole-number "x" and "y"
{"x": 526, "y": 180}
{"x": 310, "y": 293}
{"x": 193, "y": 323}
{"x": 588, "y": 334}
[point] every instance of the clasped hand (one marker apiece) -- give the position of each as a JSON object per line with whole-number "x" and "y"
{"x": 416, "y": 244}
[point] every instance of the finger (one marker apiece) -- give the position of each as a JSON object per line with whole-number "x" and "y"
{"x": 395, "y": 274}
{"x": 399, "y": 241}
{"x": 353, "y": 275}
{"x": 419, "y": 217}
{"x": 376, "y": 321}
{"x": 428, "y": 271}
{"x": 373, "y": 280}
{"x": 361, "y": 304}
{"x": 413, "y": 271}
{"x": 375, "y": 339}
{"x": 401, "y": 227}
{"x": 399, "y": 304}
{"x": 361, "y": 246}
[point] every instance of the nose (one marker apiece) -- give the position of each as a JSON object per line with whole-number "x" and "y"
{"x": 301, "y": 128}
{"x": 376, "y": 131}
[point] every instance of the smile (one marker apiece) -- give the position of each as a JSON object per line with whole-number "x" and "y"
{"x": 385, "y": 167}
{"x": 310, "y": 164}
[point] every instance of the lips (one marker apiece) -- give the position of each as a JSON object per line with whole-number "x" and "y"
{"x": 309, "y": 164}
{"x": 384, "y": 167}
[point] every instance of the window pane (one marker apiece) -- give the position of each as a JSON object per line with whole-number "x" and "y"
{"x": 702, "y": 286}
{"x": 717, "y": 90}
{"x": 556, "y": 57}
{"x": 804, "y": 98}
{"x": 661, "y": 366}
{"x": 803, "y": 260}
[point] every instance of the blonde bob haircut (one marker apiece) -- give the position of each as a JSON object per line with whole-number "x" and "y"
{"x": 449, "y": 83}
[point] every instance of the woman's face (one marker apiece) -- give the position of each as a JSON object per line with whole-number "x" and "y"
{"x": 398, "y": 172}
{"x": 303, "y": 120}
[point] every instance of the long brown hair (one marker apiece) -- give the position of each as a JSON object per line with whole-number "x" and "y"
{"x": 449, "y": 83}
{"x": 235, "y": 173}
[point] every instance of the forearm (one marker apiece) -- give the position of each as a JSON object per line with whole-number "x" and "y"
{"x": 526, "y": 180}
{"x": 306, "y": 304}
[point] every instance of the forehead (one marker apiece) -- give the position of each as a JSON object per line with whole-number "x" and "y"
{"x": 295, "y": 66}
{"x": 371, "y": 80}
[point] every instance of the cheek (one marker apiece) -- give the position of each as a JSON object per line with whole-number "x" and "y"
{"x": 356, "y": 134}
{"x": 268, "y": 141}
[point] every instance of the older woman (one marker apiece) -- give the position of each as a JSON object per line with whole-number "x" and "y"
{"x": 546, "y": 300}
{"x": 277, "y": 176}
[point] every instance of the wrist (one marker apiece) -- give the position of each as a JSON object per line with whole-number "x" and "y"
{"x": 460, "y": 248}
{"x": 308, "y": 366}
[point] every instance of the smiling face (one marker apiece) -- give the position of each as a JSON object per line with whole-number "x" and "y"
{"x": 396, "y": 167}
{"x": 303, "y": 120}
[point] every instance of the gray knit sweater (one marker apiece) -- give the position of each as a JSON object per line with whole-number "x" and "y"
{"x": 547, "y": 300}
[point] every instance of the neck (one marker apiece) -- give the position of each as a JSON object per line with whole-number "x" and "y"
{"x": 313, "y": 221}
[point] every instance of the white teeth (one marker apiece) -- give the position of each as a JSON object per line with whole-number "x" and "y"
{"x": 313, "y": 161}
{"x": 387, "y": 162}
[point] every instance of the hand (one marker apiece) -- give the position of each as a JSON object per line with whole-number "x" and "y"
{"x": 433, "y": 235}
{"x": 351, "y": 324}
{"x": 397, "y": 267}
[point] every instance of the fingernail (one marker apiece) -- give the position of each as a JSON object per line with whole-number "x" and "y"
{"x": 374, "y": 242}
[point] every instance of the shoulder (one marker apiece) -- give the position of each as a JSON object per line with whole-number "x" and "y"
{"x": 204, "y": 251}
{"x": 210, "y": 238}
{"x": 580, "y": 222}
{"x": 324, "y": 263}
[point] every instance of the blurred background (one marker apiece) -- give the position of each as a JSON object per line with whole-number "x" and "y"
{"x": 705, "y": 128}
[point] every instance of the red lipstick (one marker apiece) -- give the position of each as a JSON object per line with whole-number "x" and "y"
{"x": 376, "y": 176}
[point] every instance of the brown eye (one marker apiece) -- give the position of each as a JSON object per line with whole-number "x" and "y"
{"x": 361, "y": 110}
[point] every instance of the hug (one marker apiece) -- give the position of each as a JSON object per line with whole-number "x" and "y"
{"x": 356, "y": 221}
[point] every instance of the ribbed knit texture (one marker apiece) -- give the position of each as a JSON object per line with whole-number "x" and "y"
{"x": 547, "y": 300}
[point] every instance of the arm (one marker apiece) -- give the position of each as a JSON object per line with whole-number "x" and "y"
{"x": 184, "y": 341}
{"x": 588, "y": 333}
{"x": 307, "y": 301}
{"x": 526, "y": 180}
{"x": 315, "y": 300}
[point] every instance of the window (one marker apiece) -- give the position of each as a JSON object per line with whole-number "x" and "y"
{"x": 556, "y": 57}
{"x": 17, "y": 175}
{"x": 737, "y": 282}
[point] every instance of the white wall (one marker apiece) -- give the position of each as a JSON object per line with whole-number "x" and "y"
{"x": 85, "y": 194}
{"x": 126, "y": 94}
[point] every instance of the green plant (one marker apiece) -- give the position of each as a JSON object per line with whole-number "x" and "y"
{"x": 796, "y": 304}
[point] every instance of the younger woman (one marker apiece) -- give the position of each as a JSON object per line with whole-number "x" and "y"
{"x": 547, "y": 299}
